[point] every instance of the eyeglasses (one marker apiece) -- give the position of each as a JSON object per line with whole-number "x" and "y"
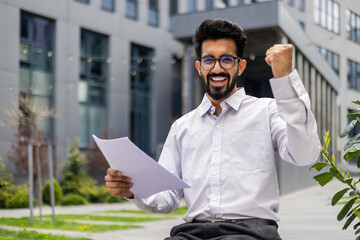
{"x": 226, "y": 62}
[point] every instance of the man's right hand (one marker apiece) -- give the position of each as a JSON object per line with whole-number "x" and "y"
{"x": 117, "y": 184}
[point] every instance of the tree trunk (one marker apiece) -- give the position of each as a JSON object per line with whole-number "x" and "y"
{"x": 38, "y": 163}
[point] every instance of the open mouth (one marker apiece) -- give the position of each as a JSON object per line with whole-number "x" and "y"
{"x": 218, "y": 81}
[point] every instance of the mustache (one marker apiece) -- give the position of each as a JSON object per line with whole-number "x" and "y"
{"x": 218, "y": 75}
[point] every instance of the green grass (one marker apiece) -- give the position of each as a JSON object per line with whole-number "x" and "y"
{"x": 104, "y": 218}
{"x": 25, "y": 234}
{"x": 63, "y": 225}
{"x": 178, "y": 211}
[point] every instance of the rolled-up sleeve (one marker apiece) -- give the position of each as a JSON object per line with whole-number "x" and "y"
{"x": 293, "y": 126}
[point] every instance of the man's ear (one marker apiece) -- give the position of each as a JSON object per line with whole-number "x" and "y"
{"x": 197, "y": 65}
{"x": 242, "y": 66}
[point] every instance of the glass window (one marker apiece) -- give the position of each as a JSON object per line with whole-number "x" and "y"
{"x": 326, "y": 14}
{"x": 83, "y": 1}
{"x": 191, "y": 6}
{"x": 209, "y": 4}
{"x": 353, "y": 75}
{"x": 141, "y": 77}
{"x": 153, "y": 13}
{"x": 132, "y": 9}
{"x": 92, "y": 86}
{"x": 353, "y": 26}
{"x": 302, "y": 5}
{"x": 36, "y": 63}
{"x": 331, "y": 58}
{"x": 173, "y": 10}
{"x": 108, "y": 5}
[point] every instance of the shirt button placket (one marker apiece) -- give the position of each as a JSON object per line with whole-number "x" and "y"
{"x": 215, "y": 168}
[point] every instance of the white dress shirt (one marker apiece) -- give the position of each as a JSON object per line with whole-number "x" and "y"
{"x": 229, "y": 160}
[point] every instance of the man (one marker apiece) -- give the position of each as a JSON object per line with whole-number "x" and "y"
{"x": 224, "y": 149}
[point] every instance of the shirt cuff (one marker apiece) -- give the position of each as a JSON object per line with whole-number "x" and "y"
{"x": 283, "y": 88}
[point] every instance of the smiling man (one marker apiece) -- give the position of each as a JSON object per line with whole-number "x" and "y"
{"x": 225, "y": 147}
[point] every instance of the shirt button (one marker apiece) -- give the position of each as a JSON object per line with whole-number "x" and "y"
{"x": 212, "y": 108}
{"x": 214, "y": 173}
{"x": 216, "y": 149}
{"x": 214, "y": 199}
{"x": 218, "y": 126}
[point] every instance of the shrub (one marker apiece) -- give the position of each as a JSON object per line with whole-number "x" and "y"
{"x": 330, "y": 169}
{"x": 73, "y": 199}
{"x": 94, "y": 193}
{"x": 112, "y": 199}
{"x": 73, "y": 170}
{"x": 19, "y": 199}
{"x": 6, "y": 179}
{"x": 46, "y": 192}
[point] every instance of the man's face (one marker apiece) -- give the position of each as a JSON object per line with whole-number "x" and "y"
{"x": 219, "y": 82}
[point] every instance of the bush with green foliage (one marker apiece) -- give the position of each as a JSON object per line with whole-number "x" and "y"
{"x": 73, "y": 199}
{"x": 112, "y": 199}
{"x": 76, "y": 179}
{"x": 6, "y": 180}
{"x": 92, "y": 192}
{"x": 73, "y": 170}
{"x": 57, "y": 192}
{"x": 330, "y": 170}
{"x": 19, "y": 198}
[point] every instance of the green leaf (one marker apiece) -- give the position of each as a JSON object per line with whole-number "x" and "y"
{"x": 356, "y": 102}
{"x": 357, "y": 231}
{"x": 354, "y": 114}
{"x": 357, "y": 213}
{"x": 324, "y": 178}
{"x": 338, "y": 196}
{"x": 351, "y": 142}
{"x": 351, "y": 154}
{"x": 349, "y": 221}
{"x": 353, "y": 193}
{"x": 358, "y": 162}
{"x": 348, "y": 128}
{"x": 320, "y": 165}
{"x": 347, "y": 181}
{"x": 356, "y": 225}
{"x": 346, "y": 208}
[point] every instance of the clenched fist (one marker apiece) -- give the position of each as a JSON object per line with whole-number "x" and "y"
{"x": 279, "y": 58}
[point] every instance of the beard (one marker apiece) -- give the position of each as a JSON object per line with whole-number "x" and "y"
{"x": 218, "y": 93}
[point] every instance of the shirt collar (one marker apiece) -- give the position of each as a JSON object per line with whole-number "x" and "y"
{"x": 234, "y": 101}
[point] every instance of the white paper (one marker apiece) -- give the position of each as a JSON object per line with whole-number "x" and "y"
{"x": 146, "y": 174}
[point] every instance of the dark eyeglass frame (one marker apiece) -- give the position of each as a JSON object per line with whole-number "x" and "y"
{"x": 220, "y": 62}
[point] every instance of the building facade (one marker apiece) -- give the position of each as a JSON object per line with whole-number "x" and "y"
{"x": 110, "y": 68}
{"x": 126, "y": 67}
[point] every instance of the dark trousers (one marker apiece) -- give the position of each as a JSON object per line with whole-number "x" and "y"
{"x": 223, "y": 231}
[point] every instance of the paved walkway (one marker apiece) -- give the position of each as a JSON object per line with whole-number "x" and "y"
{"x": 305, "y": 215}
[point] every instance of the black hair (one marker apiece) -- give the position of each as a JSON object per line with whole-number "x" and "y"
{"x": 220, "y": 28}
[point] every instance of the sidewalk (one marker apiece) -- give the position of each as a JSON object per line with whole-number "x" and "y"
{"x": 305, "y": 215}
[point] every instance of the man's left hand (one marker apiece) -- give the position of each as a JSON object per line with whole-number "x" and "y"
{"x": 279, "y": 58}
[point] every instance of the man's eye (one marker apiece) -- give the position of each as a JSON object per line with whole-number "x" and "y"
{"x": 226, "y": 59}
{"x": 208, "y": 60}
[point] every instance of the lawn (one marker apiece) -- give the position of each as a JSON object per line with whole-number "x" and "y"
{"x": 25, "y": 234}
{"x": 63, "y": 225}
{"x": 105, "y": 218}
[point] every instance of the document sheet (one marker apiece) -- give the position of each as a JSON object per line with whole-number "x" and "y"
{"x": 148, "y": 176}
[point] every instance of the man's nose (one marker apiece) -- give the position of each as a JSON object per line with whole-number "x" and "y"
{"x": 217, "y": 66}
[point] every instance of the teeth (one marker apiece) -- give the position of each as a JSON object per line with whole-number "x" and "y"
{"x": 218, "y": 78}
